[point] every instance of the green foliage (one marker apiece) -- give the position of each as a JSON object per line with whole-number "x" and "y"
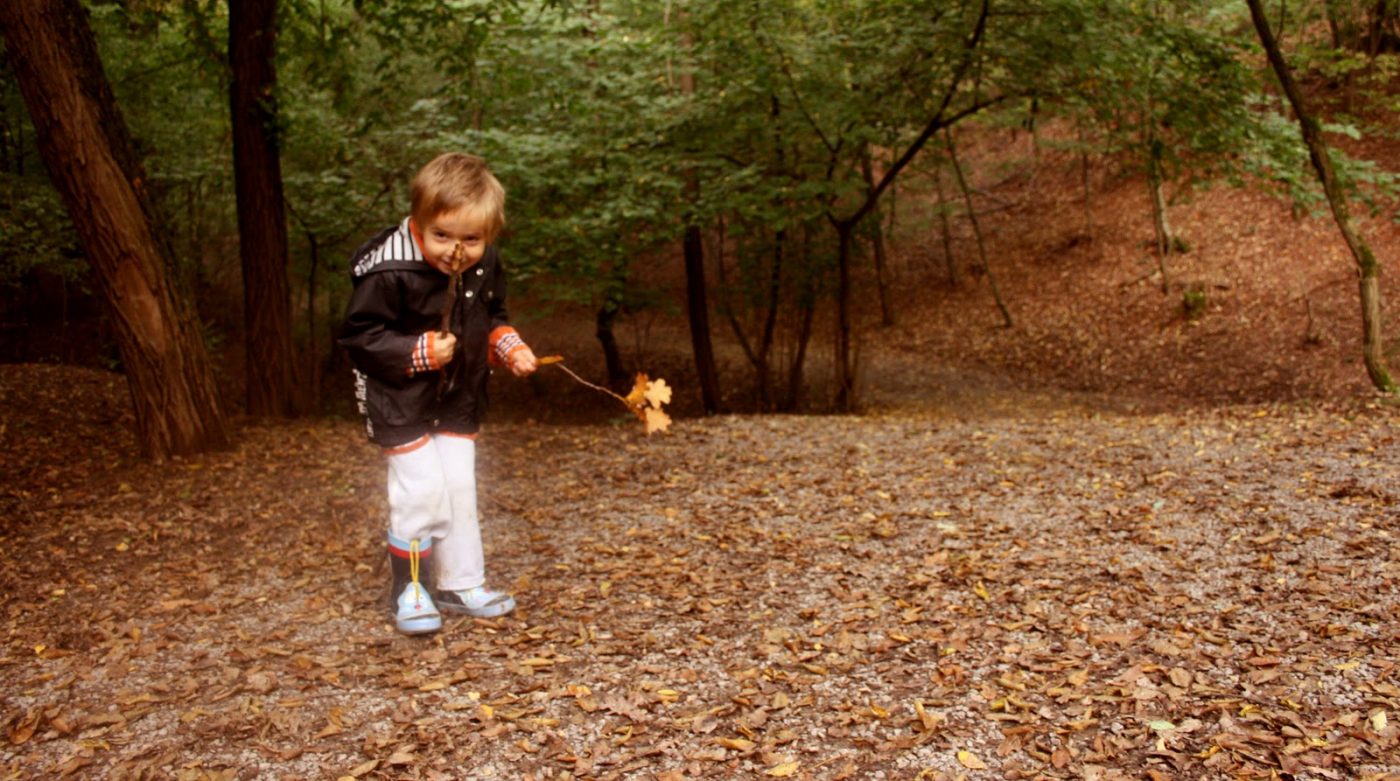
{"x": 1193, "y": 301}
{"x": 616, "y": 125}
{"x": 35, "y": 233}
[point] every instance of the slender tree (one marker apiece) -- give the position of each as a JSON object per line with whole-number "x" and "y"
{"x": 1368, "y": 270}
{"x": 85, "y": 144}
{"x": 696, "y": 292}
{"x": 943, "y": 116}
{"x": 976, "y": 228}
{"x": 262, "y": 216}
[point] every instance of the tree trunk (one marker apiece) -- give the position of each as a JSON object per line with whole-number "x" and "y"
{"x": 695, "y": 293}
{"x": 1084, "y": 183}
{"x": 758, "y": 356}
{"x": 877, "y": 239}
{"x": 84, "y": 142}
{"x": 312, "y": 343}
{"x": 770, "y": 320}
{"x": 262, "y": 220}
{"x": 1367, "y": 268}
{"x": 976, "y": 229}
{"x": 806, "y": 304}
{"x": 618, "y": 376}
{"x": 699, "y": 315}
{"x": 1161, "y": 231}
{"x": 945, "y": 229}
{"x": 846, "y": 400}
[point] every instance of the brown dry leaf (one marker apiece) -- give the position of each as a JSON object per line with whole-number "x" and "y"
{"x": 638, "y": 395}
{"x": 782, "y": 771}
{"x": 927, "y": 720}
{"x": 738, "y": 744}
{"x": 364, "y": 769}
{"x": 658, "y": 392}
{"x": 970, "y": 761}
{"x": 23, "y": 729}
{"x": 657, "y": 420}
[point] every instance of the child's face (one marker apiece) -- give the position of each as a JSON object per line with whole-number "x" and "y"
{"x": 450, "y": 235}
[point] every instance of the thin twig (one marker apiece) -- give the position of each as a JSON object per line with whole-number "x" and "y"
{"x": 582, "y": 381}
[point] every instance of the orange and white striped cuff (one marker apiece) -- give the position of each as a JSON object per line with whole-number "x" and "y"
{"x": 505, "y": 341}
{"x": 422, "y": 358}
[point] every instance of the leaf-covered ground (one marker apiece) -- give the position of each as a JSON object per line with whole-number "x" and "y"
{"x": 1014, "y": 588}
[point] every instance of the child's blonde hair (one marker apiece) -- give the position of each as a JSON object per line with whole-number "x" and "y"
{"x": 456, "y": 181}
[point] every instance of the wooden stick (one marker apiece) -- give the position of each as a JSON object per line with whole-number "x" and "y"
{"x": 582, "y": 381}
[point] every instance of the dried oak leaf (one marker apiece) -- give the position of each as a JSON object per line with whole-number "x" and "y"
{"x": 638, "y": 396}
{"x": 657, "y": 420}
{"x": 970, "y": 761}
{"x": 658, "y": 392}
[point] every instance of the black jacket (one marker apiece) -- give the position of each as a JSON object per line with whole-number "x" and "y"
{"x": 398, "y": 297}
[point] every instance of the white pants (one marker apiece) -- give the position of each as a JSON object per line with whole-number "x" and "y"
{"x": 432, "y": 494}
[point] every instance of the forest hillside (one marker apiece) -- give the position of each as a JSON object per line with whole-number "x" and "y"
{"x": 1021, "y": 426}
{"x": 1116, "y": 540}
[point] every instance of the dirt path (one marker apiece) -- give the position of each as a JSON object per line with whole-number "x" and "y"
{"x": 1064, "y": 593}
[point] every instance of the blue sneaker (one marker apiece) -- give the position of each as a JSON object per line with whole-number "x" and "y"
{"x": 409, "y": 600}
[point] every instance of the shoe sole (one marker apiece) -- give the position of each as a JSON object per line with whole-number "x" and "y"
{"x": 419, "y": 626}
{"x": 490, "y": 611}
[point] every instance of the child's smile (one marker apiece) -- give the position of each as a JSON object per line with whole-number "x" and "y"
{"x": 455, "y": 235}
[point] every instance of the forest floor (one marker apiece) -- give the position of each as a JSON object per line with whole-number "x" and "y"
{"x": 1111, "y": 541}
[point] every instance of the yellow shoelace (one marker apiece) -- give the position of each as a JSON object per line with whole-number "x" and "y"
{"x": 413, "y": 569}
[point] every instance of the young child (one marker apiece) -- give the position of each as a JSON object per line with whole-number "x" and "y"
{"x": 425, "y": 324}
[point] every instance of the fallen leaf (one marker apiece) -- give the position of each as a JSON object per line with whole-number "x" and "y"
{"x": 738, "y": 744}
{"x": 782, "y": 771}
{"x": 926, "y": 719}
{"x": 970, "y": 761}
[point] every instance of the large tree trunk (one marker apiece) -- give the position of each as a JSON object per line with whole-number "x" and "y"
{"x": 618, "y": 376}
{"x": 85, "y": 144}
{"x": 1367, "y": 268}
{"x": 696, "y": 297}
{"x": 262, "y": 221}
{"x": 698, "y": 311}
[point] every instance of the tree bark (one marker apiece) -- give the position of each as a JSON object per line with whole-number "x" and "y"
{"x": 697, "y": 305}
{"x": 85, "y": 144}
{"x": 846, "y": 400}
{"x": 877, "y": 240}
{"x": 945, "y": 229}
{"x": 262, "y": 218}
{"x": 1161, "y": 230}
{"x": 698, "y": 311}
{"x": 976, "y": 229}
{"x": 806, "y": 305}
{"x": 1368, "y": 269}
{"x": 618, "y": 376}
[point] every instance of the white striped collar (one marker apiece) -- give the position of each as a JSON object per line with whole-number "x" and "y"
{"x": 398, "y": 246}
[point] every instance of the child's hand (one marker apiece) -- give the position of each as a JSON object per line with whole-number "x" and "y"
{"x": 523, "y": 362}
{"x": 444, "y": 345}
